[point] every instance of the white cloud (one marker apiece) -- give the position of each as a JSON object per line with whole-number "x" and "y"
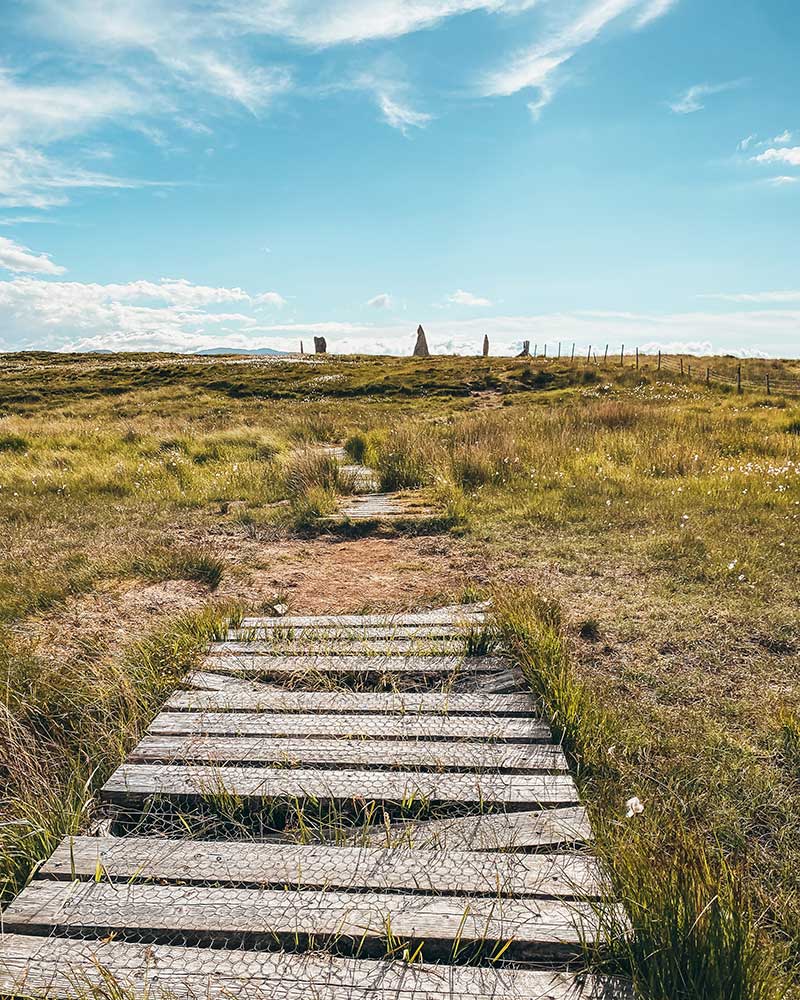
{"x": 30, "y": 178}
{"x": 399, "y": 115}
{"x": 746, "y": 143}
{"x": 538, "y": 65}
{"x": 692, "y": 99}
{"x": 783, "y": 139}
{"x": 381, "y": 301}
{"x": 462, "y": 298}
{"x": 41, "y": 114}
{"x": 653, "y": 11}
{"x": 21, "y": 260}
{"x": 780, "y": 297}
{"x": 176, "y": 315}
{"x": 270, "y": 299}
{"x": 339, "y": 22}
{"x": 782, "y": 180}
{"x": 790, "y": 155}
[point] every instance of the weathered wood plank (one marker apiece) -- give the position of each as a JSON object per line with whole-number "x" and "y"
{"x": 232, "y": 694}
{"x": 361, "y": 726}
{"x": 422, "y": 666}
{"x": 131, "y": 782}
{"x": 458, "y": 615}
{"x": 66, "y": 969}
{"x": 515, "y": 831}
{"x": 327, "y": 633}
{"x": 466, "y": 615}
{"x": 435, "y": 756}
{"x": 352, "y": 868}
{"x": 341, "y": 646}
{"x": 535, "y": 927}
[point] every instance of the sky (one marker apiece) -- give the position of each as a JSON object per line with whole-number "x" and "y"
{"x": 188, "y": 174}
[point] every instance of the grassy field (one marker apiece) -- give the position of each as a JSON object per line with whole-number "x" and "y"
{"x": 639, "y": 531}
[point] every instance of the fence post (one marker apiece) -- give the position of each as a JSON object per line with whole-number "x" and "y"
{"x": 738, "y": 378}
{"x": 689, "y": 371}
{"x": 659, "y": 360}
{"x": 681, "y": 366}
{"x": 545, "y": 351}
{"x": 573, "y": 352}
{"x": 589, "y": 354}
{"x": 605, "y": 354}
{"x": 559, "y": 350}
{"x": 637, "y": 358}
{"x": 768, "y": 392}
{"x": 535, "y": 349}
{"x": 622, "y": 356}
{"x": 708, "y": 376}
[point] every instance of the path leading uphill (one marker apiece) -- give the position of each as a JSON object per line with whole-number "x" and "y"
{"x": 332, "y": 808}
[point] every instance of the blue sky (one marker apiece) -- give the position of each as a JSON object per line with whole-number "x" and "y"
{"x": 181, "y": 175}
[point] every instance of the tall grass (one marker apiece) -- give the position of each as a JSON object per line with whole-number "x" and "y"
{"x": 692, "y": 932}
{"x": 67, "y": 725}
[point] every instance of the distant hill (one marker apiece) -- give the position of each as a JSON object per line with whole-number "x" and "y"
{"x": 233, "y": 350}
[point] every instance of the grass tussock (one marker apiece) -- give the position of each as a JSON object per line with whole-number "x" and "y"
{"x": 692, "y": 931}
{"x": 198, "y": 563}
{"x": 67, "y": 725}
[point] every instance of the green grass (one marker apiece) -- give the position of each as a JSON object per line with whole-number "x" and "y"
{"x": 67, "y": 726}
{"x": 691, "y": 929}
{"x": 656, "y": 520}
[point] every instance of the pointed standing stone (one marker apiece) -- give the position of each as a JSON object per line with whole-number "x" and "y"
{"x": 421, "y": 347}
{"x": 526, "y": 349}
{"x": 485, "y": 346}
{"x": 320, "y": 345}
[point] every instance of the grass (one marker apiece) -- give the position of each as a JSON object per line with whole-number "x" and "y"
{"x": 655, "y": 518}
{"x": 67, "y": 726}
{"x": 693, "y": 929}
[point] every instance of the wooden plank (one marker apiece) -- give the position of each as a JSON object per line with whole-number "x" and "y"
{"x": 322, "y": 867}
{"x": 466, "y": 615}
{"x": 535, "y": 927}
{"x": 341, "y": 646}
{"x": 229, "y": 694}
{"x": 437, "y": 756}
{"x": 66, "y": 968}
{"x": 422, "y": 666}
{"x": 132, "y": 782}
{"x": 327, "y": 633}
{"x": 515, "y": 831}
{"x": 361, "y": 726}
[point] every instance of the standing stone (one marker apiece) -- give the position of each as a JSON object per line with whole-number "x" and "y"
{"x": 320, "y": 345}
{"x": 485, "y": 346}
{"x": 526, "y": 349}
{"x": 301, "y": 347}
{"x": 421, "y": 346}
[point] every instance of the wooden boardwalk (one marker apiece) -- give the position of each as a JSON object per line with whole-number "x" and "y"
{"x": 324, "y": 800}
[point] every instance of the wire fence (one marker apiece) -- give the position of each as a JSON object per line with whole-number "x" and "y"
{"x": 690, "y": 367}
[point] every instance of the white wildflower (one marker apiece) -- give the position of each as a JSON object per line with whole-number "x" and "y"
{"x": 633, "y": 807}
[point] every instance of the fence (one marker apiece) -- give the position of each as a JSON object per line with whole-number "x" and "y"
{"x": 689, "y": 367}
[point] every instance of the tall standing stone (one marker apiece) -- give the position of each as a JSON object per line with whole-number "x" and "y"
{"x": 320, "y": 345}
{"x": 526, "y": 349}
{"x": 301, "y": 347}
{"x": 485, "y": 346}
{"x": 421, "y": 346}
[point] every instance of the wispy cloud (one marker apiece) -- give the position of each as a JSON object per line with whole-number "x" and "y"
{"x": 462, "y": 298}
{"x": 653, "y": 11}
{"x": 538, "y": 66}
{"x": 380, "y": 301}
{"x": 340, "y": 22}
{"x": 21, "y": 260}
{"x": 764, "y": 298}
{"x": 29, "y": 178}
{"x": 692, "y": 99}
